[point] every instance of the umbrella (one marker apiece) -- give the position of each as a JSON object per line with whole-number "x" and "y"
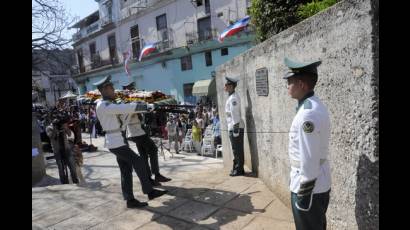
{"x": 69, "y": 94}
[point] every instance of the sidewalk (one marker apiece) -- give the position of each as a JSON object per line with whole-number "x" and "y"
{"x": 201, "y": 196}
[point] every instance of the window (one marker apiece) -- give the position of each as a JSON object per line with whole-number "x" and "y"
{"x": 198, "y": 2}
{"x": 188, "y": 89}
{"x": 112, "y": 49}
{"x": 204, "y": 29}
{"x": 161, "y": 22}
{"x": 135, "y": 39}
{"x": 92, "y": 50}
{"x": 186, "y": 63}
{"x": 224, "y": 51}
{"x": 80, "y": 60}
{"x": 207, "y": 7}
{"x": 208, "y": 58}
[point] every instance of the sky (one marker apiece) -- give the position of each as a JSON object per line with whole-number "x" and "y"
{"x": 79, "y": 9}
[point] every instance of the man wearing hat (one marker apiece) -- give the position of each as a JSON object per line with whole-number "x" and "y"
{"x": 146, "y": 147}
{"x": 129, "y": 86}
{"x": 109, "y": 113}
{"x": 308, "y": 148}
{"x": 235, "y": 126}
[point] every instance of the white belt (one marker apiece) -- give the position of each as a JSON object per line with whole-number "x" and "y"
{"x": 296, "y": 163}
{"x": 113, "y": 131}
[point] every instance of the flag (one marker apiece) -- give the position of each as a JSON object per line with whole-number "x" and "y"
{"x": 127, "y": 57}
{"x": 234, "y": 28}
{"x": 149, "y": 48}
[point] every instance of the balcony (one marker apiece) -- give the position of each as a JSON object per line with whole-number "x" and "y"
{"x": 164, "y": 38}
{"x": 201, "y": 36}
{"x": 77, "y": 36}
{"x": 93, "y": 27}
{"x": 105, "y": 21}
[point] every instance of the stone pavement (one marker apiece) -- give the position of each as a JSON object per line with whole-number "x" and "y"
{"x": 201, "y": 196}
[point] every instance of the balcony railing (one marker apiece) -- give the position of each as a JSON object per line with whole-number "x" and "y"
{"x": 164, "y": 38}
{"x": 77, "y": 36}
{"x": 106, "y": 21}
{"x": 202, "y": 35}
{"x": 93, "y": 27}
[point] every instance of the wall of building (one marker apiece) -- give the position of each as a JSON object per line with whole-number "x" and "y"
{"x": 169, "y": 79}
{"x": 181, "y": 19}
{"x": 345, "y": 38}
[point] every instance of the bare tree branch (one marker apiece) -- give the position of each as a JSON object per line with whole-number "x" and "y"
{"x": 49, "y": 21}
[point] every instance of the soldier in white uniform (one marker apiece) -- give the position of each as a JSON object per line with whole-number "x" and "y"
{"x": 109, "y": 113}
{"x": 145, "y": 145}
{"x": 308, "y": 148}
{"x": 235, "y": 126}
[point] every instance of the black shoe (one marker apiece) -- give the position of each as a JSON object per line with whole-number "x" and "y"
{"x": 154, "y": 182}
{"x": 161, "y": 178}
{"x": 156, "y": 193}
{"x": 136, "y": 204}
{"x": 233, "y": 173}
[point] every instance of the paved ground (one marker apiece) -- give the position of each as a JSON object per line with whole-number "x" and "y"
{"x": 201, "y": 196}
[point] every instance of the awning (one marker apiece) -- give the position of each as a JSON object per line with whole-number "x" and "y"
{"x": 204, "y": 87}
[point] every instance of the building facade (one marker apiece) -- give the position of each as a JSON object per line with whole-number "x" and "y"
{"x": 52, "y": 75}
{"x": 185, "y": 33}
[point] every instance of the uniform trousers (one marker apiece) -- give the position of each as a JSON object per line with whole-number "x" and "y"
{"x": 237, "y": 150}
{"x": 147, "y": 148}
{"x": 315, "y": 218}
{"x": 128, "y": 159}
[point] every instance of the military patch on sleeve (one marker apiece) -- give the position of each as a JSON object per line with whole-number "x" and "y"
{"x": 308, "y": 127}
{"x": 234, "y": 103}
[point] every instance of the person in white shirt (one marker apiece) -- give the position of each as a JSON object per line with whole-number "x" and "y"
{"x": 235, "y": 126}
{"x": 309, "y": 135}
{"x": 172, "y": 129}
{"x": 146, "y": 147}
{"x": 110, "y": 114}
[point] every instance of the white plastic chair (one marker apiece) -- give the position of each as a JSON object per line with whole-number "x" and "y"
{"x": 207, "y": 146}
{"x": 218, "y": 149}
{"x": 188, "y": 141}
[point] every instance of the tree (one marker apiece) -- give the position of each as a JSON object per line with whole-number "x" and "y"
{"x": 314, "y": 7}
{"x": 49, "y": 21}
{"x": 273, "y": 16}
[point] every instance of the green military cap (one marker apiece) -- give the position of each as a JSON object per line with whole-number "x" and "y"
{"x": 300, "y": 67}
{"x": 231, "y": 81}
{"x": 106, "y": 80}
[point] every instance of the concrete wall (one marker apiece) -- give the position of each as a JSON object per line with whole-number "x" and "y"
{"x": 345, "y": 38}
{"x": 38, "y": 168}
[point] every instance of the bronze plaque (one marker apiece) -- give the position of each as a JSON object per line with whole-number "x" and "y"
{"x": 261, "y": 82}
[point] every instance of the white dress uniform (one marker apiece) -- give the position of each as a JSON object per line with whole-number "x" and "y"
{"x": 308, "y": 146}
{"x": 112, "y": 117}
{"x": 233, "y": 111}
{"x": 134, "y": 128}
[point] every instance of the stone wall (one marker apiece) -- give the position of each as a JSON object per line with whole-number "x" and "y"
{"x": 38, "y": 168}
{"x": 345, "y": 38}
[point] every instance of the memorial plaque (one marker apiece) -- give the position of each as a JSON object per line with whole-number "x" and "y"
{"x": 261, "y": 82}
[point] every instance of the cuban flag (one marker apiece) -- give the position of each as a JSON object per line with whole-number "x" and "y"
{"x": 127, "y": 57}
{"x": 149, "y": 48}
{"x": 234, "y": 28}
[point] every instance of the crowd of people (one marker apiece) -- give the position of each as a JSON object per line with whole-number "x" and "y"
{"x": 197, "y": 120}
{"x": 60, "y": 133}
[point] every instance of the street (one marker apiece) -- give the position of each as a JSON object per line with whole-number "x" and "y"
{"x": 201, "y": 196}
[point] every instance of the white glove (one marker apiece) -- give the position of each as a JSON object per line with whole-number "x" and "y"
{"x": 150, "y": 107}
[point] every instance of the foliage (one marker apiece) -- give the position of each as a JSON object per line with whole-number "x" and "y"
{"x": 312, "y": 8}
{"x": 273, "y": 16}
